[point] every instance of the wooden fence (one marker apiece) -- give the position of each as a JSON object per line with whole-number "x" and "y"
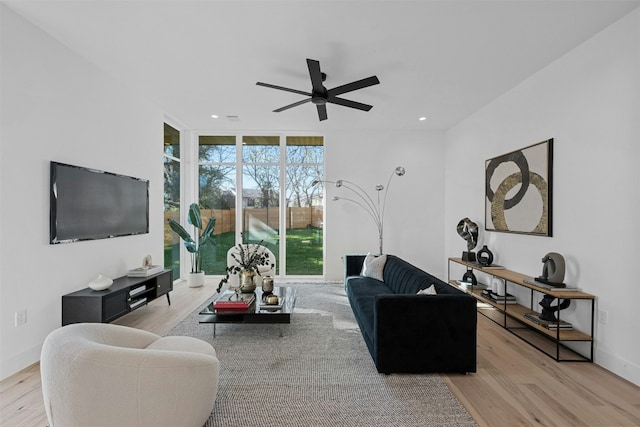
{"x": 266, "y": 218}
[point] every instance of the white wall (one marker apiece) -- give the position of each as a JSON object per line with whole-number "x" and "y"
{"x": 57, "y": 106}
{"x": 413, "y": 218}
{"x": 589, "y": 102}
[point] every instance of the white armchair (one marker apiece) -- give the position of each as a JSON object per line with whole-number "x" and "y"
{"x": 96, "y": 374}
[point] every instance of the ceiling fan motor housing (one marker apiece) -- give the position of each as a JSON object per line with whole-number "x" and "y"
{"x": 319, "y": 98}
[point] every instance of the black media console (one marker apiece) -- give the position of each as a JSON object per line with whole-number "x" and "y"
{"x": 125, "y": 295}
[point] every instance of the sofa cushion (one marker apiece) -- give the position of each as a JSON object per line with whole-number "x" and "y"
{"x": 404, "y": 278}
{"x": 373, "y": 266}
{"x": 431, "y": 290}
{"x": 362, "y": 292}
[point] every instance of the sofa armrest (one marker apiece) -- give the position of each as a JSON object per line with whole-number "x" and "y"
{"x": 425, "y": 333}
{"x": 353, "y": 264}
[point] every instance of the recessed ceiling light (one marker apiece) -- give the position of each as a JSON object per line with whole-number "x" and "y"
{"x": 422, "y": 119}
{"x": 213, "y": 116}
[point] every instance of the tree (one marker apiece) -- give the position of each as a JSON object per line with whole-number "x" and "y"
{"x": 216, "y": 179}
{"x": 304, "y": 164}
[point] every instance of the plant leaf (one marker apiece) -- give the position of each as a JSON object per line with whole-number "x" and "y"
{"x": 208, "y": 231}
{"x": 180, "y": 231}
{"x": 194, "y": 216}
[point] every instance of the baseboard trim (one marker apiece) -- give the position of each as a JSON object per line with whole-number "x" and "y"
{"x": 20, "y": 362}
{"x": 621, "y": 367}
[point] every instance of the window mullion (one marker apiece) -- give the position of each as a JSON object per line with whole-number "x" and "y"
{"x": 283, "y": 206}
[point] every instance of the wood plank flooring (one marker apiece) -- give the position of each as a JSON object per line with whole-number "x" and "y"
{"x": 516, "y": 385}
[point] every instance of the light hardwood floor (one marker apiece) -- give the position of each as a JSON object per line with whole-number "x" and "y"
{"x": 516, "y": 385}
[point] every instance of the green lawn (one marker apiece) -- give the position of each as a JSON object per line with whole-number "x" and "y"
{"x": 304, "y": 253}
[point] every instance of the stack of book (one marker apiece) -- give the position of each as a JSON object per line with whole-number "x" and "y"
{"x": 137, "y": 303}
{"x": 145, "y": 271}
{"x": 231, "y": 302}
{"x": 549, "y": 324}
{"x": 498, "y": 299}
{"x": 135, "y": 291}
{"x": 468, "y": 285}
{"x": 476, "y": 264}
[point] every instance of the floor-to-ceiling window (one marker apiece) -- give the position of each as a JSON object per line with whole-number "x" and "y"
{"x": 171, "y": 162}
{"x": 260, "y": 189}
{"x": 261, "y": 192}
{"x": 305, "y": 212}
{"x": 217, "y": 192}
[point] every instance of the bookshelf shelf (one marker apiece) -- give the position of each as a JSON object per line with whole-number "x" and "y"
{"x": 512, "y": 316}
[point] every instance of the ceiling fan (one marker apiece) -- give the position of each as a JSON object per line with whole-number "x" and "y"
{"x": 320, "y": 96}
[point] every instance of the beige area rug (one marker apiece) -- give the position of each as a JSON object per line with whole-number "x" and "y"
{"x": 318, "y": 374}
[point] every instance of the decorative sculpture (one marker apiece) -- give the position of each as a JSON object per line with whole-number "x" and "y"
{"x": 553, "y": 270}
{"x": 548, "y": 311}
{"x": 468, "y": 230}
{"x": 485, "y": 256}
{"x": 469, "y": 277}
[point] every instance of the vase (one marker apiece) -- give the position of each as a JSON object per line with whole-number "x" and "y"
{"x": 484, "y": 256}
{"x": 267, "y": 284}
{"x": 195, "y": 280}
{"x": 247, "y": 282}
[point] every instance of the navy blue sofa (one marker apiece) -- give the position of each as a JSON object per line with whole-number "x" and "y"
{"x": 410, "y": 333}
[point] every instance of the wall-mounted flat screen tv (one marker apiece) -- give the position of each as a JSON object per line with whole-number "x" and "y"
{"x": 88, "y": 204}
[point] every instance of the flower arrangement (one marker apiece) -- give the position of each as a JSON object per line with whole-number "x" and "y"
{"x": 249, "y": 258}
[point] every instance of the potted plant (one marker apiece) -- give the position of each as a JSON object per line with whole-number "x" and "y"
{"x": 194, "y": 246}
{"x": 249, "y": 260}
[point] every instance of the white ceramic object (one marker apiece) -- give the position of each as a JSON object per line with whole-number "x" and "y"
{"x": 498, "y": 287}
{"x": 100, "y": 283}
{"x": 195, "y": 280}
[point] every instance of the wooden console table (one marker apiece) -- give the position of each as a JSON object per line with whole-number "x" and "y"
{"x": 123, "y": 296}
{"x": 512, "y": 316}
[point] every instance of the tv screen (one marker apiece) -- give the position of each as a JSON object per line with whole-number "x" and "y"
{"x": 87, "y": 204}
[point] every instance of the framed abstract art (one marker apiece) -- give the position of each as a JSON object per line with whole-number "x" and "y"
{"x": 518, "y": 190}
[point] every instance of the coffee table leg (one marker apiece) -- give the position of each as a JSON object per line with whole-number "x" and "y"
{"x": 214, "y": 330}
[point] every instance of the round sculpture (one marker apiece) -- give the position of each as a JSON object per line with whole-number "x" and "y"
{"x": 484, "y": 256}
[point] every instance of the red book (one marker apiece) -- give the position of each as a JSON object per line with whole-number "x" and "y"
{"x": 226, "y": 305}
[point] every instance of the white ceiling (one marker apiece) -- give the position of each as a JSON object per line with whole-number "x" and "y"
{"x": 439, "y": 59}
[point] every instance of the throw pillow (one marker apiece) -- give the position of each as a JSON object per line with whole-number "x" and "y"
{"x": 431, "y": 290}
{"x": 373, "y": 266}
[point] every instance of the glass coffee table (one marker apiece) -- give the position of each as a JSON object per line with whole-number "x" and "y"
{"x": 258, "y": 311}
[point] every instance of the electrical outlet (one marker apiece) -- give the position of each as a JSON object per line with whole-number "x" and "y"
{"x": 603, "y": 316}
{"x": 21, "y": 317}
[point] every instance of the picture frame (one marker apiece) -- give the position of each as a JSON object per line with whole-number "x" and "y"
{"x": 518, "y": 191}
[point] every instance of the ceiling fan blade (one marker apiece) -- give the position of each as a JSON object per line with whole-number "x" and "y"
{"x": 349, "y": 87}
{"x": 348, "y": 103}
{"x": 283, "y": 88}
{"x": 295, "y": 104}
{"x": 322, "y": 111}
{"x": 316, "y": 75}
